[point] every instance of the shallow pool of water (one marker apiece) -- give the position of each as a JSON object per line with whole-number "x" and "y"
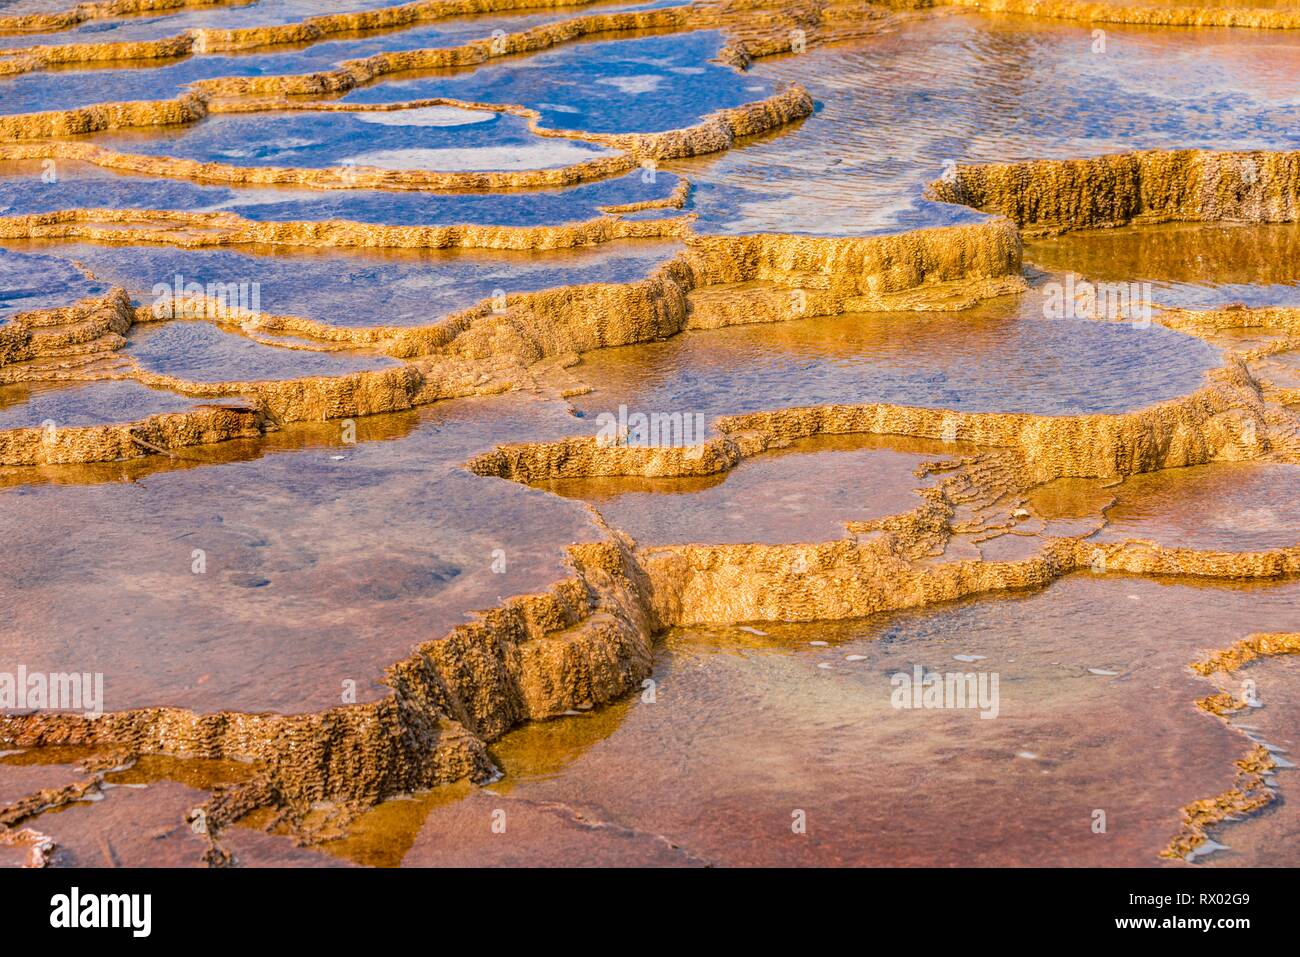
{"x": 76, "y": 85}
{"x": 750, "y": 735}
{"x": 59, "y": 404}
{"x": 199, "y": 351}
{"x": 804, "y": 492}
{"x": 1231, "y": 506}
{"x": 897, "y": 109}
{"x": 84, "y": 186}
{"x": 439, "y": 138}
{"x": 32, "y": 281}
{"x": 997, "y": 357}
{"x": 379, "y": 287}
{"x": 323, "y": 561}
{"x": 1189, "y": 265}
{"x": 643, "y": 84}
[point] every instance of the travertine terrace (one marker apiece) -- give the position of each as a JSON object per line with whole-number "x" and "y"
{"x": 329, "y": 354}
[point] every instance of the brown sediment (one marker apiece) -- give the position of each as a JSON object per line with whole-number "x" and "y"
{"x": 674, "y": 200}
{"x": 1283, "y": 440}
{"x": 1280, "y": 319}
{"x": 588, "y": 640}
{"x": 921, "y": 269}
{"x": 1251, "y": 791}
{"x": 41, "y": 846}
{"x": 303, "y": 31}
{"x": 1199, "y": 428}
{"x": 482, "y": 349}
{"x": 1247, "y": 650}
{"x": 80, "y": 343}
{"x": 1196, "y": 321}
{"x": 696, "y": 584}
{"x": 585, "y": 642}
{"x": 78, "y": 335}
{"x": 756, "y": 32}
{"x": 204, "y": 425}
{"x": 352, "y": 73}
{"x": 99, "y": 10}
{"x": 100, "y": 117}
{"x": 45, "y": 799}
{"x": 700, "y": 584}
{"x": 716, "y": 132}
{"x": 1139, "y": 557}
{"x": 310, "y": 399}
{"x": 1221, "y": 704}
{"x": 1138, "y": 14}
{"x": 193, "y": 230}
{"x": 1047, "y": 197}
{"x": 850, "y": 578}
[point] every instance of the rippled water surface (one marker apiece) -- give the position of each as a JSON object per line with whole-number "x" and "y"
{"x": 41, "y": 282}
{"x": 1189, "y": 265}
{"x": 199, "y": 351}
{"x": 992, "y": 358}
{"x": 46, "y": 405}
{"x": 379, "y": 287}
{"x": 1231, "y": 506}
{"x": 895, "y": 109}
{"x": 22, "y": 190}
{"x": 802, "y": 493}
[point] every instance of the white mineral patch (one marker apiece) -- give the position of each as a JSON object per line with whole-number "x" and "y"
{"x": 256, "y": 197}
{"x": 428, "y": 116}
{"x": 634, "y": 85}
{"x": 543, "y": 155}
{"x": 1209, "y": 847}
{"x": 278, "y": 147}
